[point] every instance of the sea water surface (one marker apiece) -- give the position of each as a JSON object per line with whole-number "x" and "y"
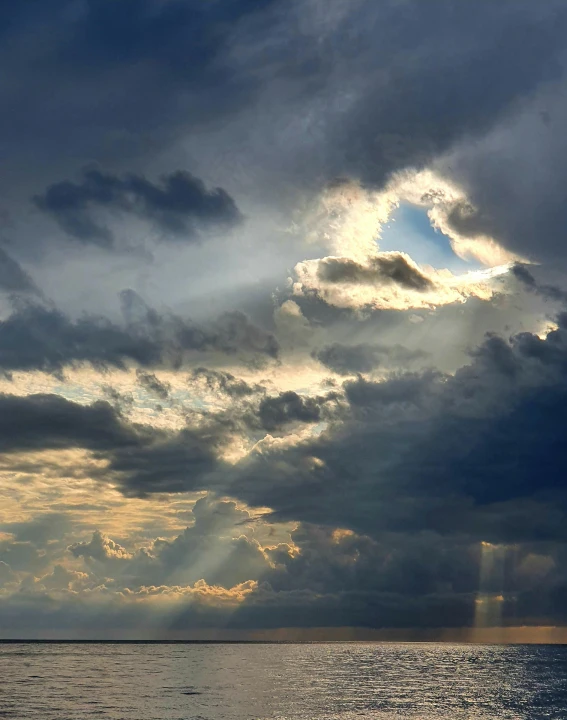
{"x": 291, "y": 682}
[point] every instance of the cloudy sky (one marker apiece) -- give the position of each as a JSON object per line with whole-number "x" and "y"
{"x": 283, "y": 316}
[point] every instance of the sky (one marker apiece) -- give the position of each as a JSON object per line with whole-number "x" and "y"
{"x": 283, "y": 317}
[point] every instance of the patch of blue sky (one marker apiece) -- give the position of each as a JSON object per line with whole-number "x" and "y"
{"x": 82, "y": 395}
{"x": 410, "y": 231}
{"x": 319, "y": 428}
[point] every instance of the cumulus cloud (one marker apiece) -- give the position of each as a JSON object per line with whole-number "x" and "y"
{"x": 395, "y": 430}
{"x": 188, "y": 460}
{"x": 381, "y": 270}
{"x": 212, "y": 551}
{"x": 152, "y": 384}
{"x": 323, "y": 576}
{"x": 288, "y": 407}
{"x": 49, "y": 421}
{"x": 179, "y": 207}
{"x": 99, "y": 548}
{"x": 351, "y": 219}
{"x": 390, "y": 281}
{"x": 226, "y": 383}
{"x": 35, "y": 337}
{"x": 63, "y": 579}
{"x": 403, "y": 474}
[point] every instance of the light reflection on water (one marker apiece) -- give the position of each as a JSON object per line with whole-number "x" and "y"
{"x": 291, "y": 682}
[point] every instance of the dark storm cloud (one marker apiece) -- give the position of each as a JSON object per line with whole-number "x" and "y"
{"x": 39, "y": 614}
{"x": 108, "y": 76}
{"x": 344, "y": 359}
{"x": 405, "y": 389}
{"x": 233, "y": 331}
{"x": 480, "y": 453}
{"x": 176, "y": 463}
{"x": 230, "y": 333}
{"x": 191, "y": 459}
{"x": 152, "y": 384}
{"x": 286, "y": 408}
{"x": 336, "y": 561}
{"x": 40, "y": 422}
{"x": 180, "y": 36}
{"x": 140, "y": 459}
{"x": 524, "y": 275}
{"x": 179, "y": 207}
{"x": 391, "y": 268}
{"x": 226, "y": 383}
{"x": 339, "y": 578}
{"x": 100, "y": 78}
{"x": 325, "y": 564}
{"x": 38, "y": 338}
{"x": 120, "y": 401}
{"x": 513, "y": 178}
{"x": 548, "y": 292}
{"x": 332, "y": 577}
{"x": 442, "y": 71}
{"x": 363, "y": 358}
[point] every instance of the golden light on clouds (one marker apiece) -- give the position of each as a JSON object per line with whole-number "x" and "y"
{"x": 348, "y": 220}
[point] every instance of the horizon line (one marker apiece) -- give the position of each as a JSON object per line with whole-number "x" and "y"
{"x": 512, "y": 635}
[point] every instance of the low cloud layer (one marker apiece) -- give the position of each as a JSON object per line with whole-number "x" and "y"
{"x": 364, "y": 358}
{"x": 35, "y": 337}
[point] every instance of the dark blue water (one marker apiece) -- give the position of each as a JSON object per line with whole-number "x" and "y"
{"x": 291, "y": 682}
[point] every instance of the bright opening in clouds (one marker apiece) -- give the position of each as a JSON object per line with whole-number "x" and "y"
{"x": 410, "y": 230}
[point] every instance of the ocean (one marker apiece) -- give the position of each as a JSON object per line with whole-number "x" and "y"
{"x": 287, "y": 682}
